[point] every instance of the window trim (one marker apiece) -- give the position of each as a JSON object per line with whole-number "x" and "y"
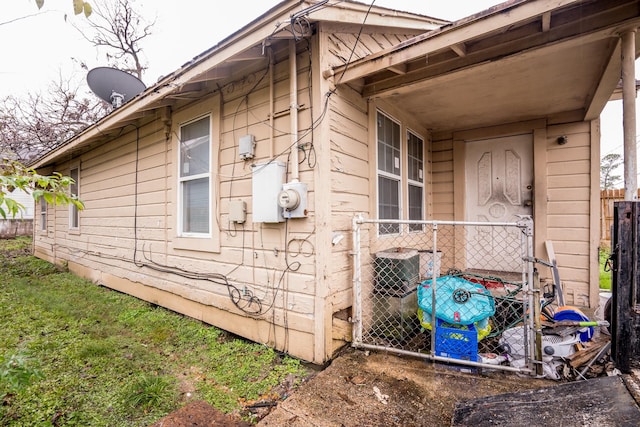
{"x": 210, "y": 106}
{"x": 181, "y": 180}
{"x": 411, "y": 182}
{"x": 74, "y": 212}
{"x": 406, "y": 129}
{"x": 44, "y": 212}
{"x": 389, "y": 175}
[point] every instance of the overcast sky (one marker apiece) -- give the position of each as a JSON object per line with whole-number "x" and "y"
{"x": 41, "y": 44}
{"x": 37, "y": 45}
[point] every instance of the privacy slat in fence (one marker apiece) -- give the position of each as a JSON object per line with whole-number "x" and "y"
{"x": 607, "y": 198}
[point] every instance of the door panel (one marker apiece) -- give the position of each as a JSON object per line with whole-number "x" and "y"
{"x": 499, "y": 187}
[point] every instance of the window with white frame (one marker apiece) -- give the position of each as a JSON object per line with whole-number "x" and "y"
{"x": 389, "y": 172}
{"x": 43, "y": 214}
{"x": 415, "y": 178}
{"x": 194, "y": 198}
{"x": 74, "y": 189}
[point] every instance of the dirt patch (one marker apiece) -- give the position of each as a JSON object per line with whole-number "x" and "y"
{"x": 361, "y": 389}
{"x": 369, "y": 389}
{"x": 199, "y": 414}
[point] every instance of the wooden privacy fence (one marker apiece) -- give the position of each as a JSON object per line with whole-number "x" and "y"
{"x": 607, "y": 198}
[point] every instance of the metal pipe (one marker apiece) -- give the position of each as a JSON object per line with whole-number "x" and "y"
{"x": 602, "y": 351}
{"x": 293, "y": 108}
{"x": 271, "y": 102}
{"x": 441, "y": 359}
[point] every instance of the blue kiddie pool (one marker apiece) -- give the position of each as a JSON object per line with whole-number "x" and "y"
{"x": 458, "y": 301}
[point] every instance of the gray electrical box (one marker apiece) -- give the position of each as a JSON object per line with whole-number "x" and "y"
{"x": 238, "y": 211}
{"x": 247, "y": 147}
{"x": 267, "y": 180}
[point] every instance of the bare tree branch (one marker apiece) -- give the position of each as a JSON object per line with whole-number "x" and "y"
{"x": 34, "y": 125}
{"x": 118, "y": 27}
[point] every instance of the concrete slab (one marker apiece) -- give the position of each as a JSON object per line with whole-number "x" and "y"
{"x": 598, "y": 402}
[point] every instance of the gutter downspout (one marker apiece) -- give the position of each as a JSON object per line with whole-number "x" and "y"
{"x": 293, "y": 109}
{"x": 271, "y": 102}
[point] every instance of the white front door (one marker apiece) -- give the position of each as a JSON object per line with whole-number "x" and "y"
{"x": 499, "y": 187}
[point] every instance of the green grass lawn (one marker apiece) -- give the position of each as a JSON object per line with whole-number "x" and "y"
{"x": 76, "y": 354}
{"x": 605, "y": 276}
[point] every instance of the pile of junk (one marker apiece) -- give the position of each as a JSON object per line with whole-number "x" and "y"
{"x": 481, "y": 318}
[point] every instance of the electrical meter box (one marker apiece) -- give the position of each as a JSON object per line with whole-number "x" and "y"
{"x": 293, "y": 200}
{"x": 267, "y": 181}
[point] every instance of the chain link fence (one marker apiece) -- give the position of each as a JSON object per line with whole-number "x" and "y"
{"x": 477, "y": 276}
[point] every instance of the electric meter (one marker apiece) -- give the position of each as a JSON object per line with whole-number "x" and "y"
{"x": 289, "y": 199}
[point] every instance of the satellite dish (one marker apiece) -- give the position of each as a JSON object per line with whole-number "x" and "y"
{"x": 113, "y": 85}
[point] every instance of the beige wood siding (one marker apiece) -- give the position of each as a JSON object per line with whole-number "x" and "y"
{"x": 569, "y": 221}
{"x": 442, "y": 175}
{"x": 348, "y": 185}
{"x": 273, "y": 262}
{"x": 345, "y": 45}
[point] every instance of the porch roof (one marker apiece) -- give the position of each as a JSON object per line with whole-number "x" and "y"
{"x": 519, "y": 60}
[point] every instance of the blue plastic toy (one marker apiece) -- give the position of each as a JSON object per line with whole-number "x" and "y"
{"x": 458, "y": 301}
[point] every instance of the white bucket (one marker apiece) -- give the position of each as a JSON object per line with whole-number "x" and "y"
{"x": 430, "y": 267}
{"x": 604, "y": 297}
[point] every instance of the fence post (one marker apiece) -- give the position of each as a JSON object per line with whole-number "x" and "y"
{"x": 356, "y": 314}
{"x": 533, "y": 341}
{"x": 434, "y": 286}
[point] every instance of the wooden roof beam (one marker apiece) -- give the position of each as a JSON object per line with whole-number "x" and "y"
{"x": 399, "y": 69}
{"x": 216, "y": 73}
{"x": 607, "y": 83}
{"x": 460, "y": 49}
{"x": 399, "y": 83}
{"x": 442, "y": 38}
{"x": 546, "y": 22}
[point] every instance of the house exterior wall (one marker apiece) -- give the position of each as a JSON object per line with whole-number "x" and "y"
{"x": 288, "y": 284}
{"x": 127, "y": 239}
{"x": 572, "y": 221}
{"x": 289, "y": 278}
{"x": 563, "y": 202}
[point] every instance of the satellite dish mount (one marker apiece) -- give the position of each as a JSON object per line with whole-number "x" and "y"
{"x": 117, "y": 99}
{"x": 114, "y": 86}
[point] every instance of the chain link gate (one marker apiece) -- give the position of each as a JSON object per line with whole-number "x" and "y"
{"x": 479, "y": 276}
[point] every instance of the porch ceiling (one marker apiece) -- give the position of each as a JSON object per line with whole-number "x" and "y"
{"x": 523, "y": 87}
{"x": 517, "y": 61}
